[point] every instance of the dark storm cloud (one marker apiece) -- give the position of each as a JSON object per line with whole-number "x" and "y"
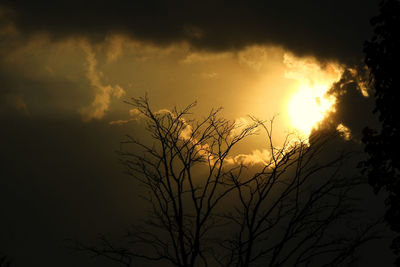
{"x": 326, "y": 29}
{"x": 352, "y": 109}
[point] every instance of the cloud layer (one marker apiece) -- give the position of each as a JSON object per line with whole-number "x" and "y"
{"x": 101, "y": 102}
{"x": 325, "y": 29}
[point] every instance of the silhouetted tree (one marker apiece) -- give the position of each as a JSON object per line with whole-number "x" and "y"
{"x": 382, "y": 56}
{"x": 210, "y": 208}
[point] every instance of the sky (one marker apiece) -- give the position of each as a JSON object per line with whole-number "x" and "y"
{"x": 66, "y": 68}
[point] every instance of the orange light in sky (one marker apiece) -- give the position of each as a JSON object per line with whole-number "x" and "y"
{"x": 309, "y": 106}
{"x": 310, "y": 102}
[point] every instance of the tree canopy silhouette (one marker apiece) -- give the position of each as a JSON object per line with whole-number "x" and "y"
{"x": 211, "y": 207}
{"x": 382, "y": 56}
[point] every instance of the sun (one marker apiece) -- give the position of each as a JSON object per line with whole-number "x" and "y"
{"x": 308, "y": 106}
{"x": 310, "y": 101}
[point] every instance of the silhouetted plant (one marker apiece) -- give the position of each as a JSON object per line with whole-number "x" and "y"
{"x": 382, "y": 57}
{"x": 210, "y": 208}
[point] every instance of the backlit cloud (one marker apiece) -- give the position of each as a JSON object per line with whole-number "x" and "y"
{"x": 257, "y": 156}
{"x": 101, "y": 101}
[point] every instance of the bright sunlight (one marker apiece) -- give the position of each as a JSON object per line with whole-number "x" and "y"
{"x": 309, "y": 106}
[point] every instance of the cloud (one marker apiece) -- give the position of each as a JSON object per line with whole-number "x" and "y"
{"x": 310, "y": 71}
{"x": 134, "y": 112}
{"x": 135, "y": 115}
{"x": 255, "y": 157}
{"x": 101, "y": 101}
{"x": 254, "y": 57}
{"x": 344, "y": 131}
{"x": 311, "y": 103}
{"x": 201, "y": 57}
{"x": 353, "y": 109}
{"x": 359, "y": 76}
{"x": 326, "y": 29}
{"x": 119, "y": 122}
{"x": 114, "y": 50}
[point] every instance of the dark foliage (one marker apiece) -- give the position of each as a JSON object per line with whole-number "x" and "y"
{"x": 382, "y": 56}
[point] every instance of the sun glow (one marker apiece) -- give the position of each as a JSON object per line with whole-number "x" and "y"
{"x": 310, "y": 102}
{"x": 309, "y": 106}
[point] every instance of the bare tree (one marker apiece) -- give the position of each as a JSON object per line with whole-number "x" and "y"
{"x": 288, "y": 213}
{"x": 208, "y": 208}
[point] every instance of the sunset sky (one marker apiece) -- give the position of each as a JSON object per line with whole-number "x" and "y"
{"x": 66, "y": 68}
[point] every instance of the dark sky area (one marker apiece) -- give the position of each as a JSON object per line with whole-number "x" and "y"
{"x": 59, "y": 174}
{"x": 326, "y": 29}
